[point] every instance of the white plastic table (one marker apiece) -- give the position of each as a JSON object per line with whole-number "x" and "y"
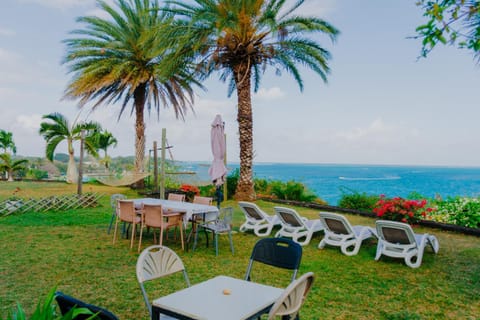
{"x": 219, "y": 298}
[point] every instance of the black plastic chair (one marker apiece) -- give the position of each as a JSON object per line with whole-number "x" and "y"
{"x": 278, "y": 252}
{"x": 66, "y": 303}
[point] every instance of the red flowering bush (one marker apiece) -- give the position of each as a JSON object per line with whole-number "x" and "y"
{"x": 399, "y": 209}
{"x": 190, "y": 191}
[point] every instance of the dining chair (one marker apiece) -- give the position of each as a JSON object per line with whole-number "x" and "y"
{"x": 203, "y": 200}
{"x": 127, "y": 213}
{"x": 200, "y": 217}
{"x": 154, "y": 217}
{"x": 289, "y": 303}
{"x": 66, "y": 303}
{"x": 221, "y": 225}
{"x": 176, "y": 197}
{"x": 277, "y": 252}
{"x": 114, "y": 204}
{"x": 157, "y": 262}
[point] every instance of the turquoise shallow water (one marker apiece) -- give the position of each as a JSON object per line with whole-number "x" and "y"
{"x": 328, "y": 181}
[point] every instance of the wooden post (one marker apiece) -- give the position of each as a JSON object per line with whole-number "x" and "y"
{"x": 162, "y": 166}
{"x": 155, "y": 167}
{"x": 80, "y": 164}
{"x": 225, "y": 162}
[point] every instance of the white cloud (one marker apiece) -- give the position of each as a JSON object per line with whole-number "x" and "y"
{"x": 29, "y": 122}
{"x": 7, "y": 57}
{"x": 319, "y": 8}
{"x": 6, "y": 32}
{"x": 378, "y": 132}
{"x": 269, "y": 94}
{"x": 60, "y": 4}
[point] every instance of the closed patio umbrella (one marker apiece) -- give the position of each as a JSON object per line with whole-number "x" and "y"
{"x": 217, "y": 170}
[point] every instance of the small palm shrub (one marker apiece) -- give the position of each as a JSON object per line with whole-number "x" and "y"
{"x": 47, "y": 311}
{"x": 292, "y": 190}
{"x": 232, "y": 181}
{"x": 357, "y": 200}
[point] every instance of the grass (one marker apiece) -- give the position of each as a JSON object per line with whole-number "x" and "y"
{"x": 73, "y": 252}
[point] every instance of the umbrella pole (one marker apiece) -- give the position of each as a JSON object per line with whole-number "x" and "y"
{"x": 162, "y": 166}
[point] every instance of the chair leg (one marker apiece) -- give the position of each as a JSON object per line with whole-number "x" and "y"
{"x": 216, "y": 243}
{"x": 231, "y": 241}
{"x": 111, "y": 223}
{"x": 140, "y": 239}
{"x": 115, "y": 231}
{"x": 181, "y": 234}
{"x": 161, "y": 236}
{"x": 133, "y": 235}
{"x": 195, "y": 240}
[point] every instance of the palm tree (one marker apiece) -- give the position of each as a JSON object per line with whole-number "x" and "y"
{"x": 6, "y": 141}
{"x": 57, "y": 129}
{"x": 10, "y": 166}
{"x": 240, "y": 39}
{"x": 125, "y": 58}
{"x": 105, "y": 140}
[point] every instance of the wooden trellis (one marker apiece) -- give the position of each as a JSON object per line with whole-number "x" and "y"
{"x": 51, "y": 203}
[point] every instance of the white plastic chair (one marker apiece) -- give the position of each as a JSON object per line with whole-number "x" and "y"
{"x": 294, "y": 226}
{"x": 289, "y": 303}
{"x": 156, "y": 262}
{"x": 257, "y": 220}
{"x": 339, "y": 232}
{"x": 397, "y": 240}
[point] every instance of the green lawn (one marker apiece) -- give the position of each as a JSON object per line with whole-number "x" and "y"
{"x": 72, "y": 251}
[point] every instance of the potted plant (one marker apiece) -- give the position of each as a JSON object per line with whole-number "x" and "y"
{"x": 190, "y": 191}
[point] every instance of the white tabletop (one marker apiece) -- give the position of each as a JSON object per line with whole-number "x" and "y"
{"x": 207, "y": 300}
{"x": 187, "y": 207}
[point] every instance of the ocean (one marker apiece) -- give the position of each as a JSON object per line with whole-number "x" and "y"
{"x": 330, "y": 181}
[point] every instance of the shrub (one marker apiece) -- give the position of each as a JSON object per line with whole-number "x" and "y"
{"x": 399, "y": 209}
{"x": 261, "y": 186}
{"x": 357, "y": 201}
{"x": 291, "y": 190}
{"x": 232, "y": 181}
{"x": 457, "y": 210}
{"x": 36, "y": 174}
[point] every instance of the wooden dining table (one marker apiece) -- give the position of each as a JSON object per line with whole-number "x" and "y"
{"x": 218, "y": 298}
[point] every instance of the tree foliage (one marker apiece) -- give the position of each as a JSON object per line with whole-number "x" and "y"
{"x": 450, "y": 22}
{"x": 6, "y": 141}
{"x": 10, "y": 165}
{"x": 123, "y": 56}
{"x": 240, "y": 39}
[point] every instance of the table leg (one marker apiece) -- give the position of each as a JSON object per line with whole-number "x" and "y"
{"x": 155, "y": 313}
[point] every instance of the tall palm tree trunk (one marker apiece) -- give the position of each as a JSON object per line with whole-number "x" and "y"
{"x": 245, "y": 190}
{"x": 139, "y": 100}
{"x": 10, "y": 175}
{"x": 72, "y": 172}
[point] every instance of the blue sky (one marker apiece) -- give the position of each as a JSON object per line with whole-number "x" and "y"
{"x": 381, "y": 105}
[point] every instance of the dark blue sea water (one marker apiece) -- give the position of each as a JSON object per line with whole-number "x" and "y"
{"x": 328, "y": 181}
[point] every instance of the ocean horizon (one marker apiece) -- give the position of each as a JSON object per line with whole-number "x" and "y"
{"x": 330, "y": 181}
